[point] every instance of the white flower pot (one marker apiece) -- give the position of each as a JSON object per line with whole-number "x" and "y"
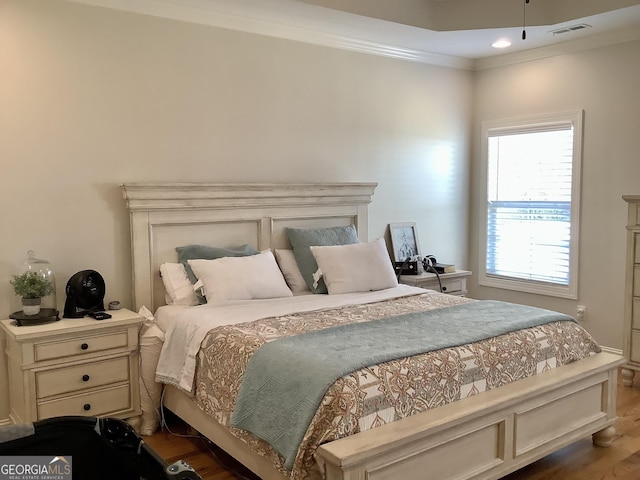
{"x": 31, "y": 306}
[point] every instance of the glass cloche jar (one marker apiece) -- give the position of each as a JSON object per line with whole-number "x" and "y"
{"x": 34, "y": 285}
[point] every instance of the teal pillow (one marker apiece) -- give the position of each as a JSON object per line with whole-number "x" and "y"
{"x": 303, "y": 238}
{"x": 195, "y": 252}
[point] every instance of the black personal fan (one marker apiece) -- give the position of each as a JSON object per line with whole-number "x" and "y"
{"x": 85, "y": 293}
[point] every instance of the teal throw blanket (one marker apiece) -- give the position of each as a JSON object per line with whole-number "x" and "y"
{"x": 286, "y": 379}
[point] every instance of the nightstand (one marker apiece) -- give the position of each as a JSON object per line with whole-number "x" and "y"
{"x": 452, "y": 283}
{"x": 74, "y": 366}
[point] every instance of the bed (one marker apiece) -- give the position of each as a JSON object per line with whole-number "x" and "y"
{"x": 495, "y": 431}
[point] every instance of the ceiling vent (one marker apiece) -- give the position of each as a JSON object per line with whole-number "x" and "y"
{"x": 571, "y": 28}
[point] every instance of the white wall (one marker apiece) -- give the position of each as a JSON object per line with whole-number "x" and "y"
{"x": 91, "y": 98}
{"x": 604, "y": 82}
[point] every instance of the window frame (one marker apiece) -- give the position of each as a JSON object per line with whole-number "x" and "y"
{"x": 526, "y": 124}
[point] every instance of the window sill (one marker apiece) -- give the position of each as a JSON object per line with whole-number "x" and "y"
{"x": 537, "y": 288}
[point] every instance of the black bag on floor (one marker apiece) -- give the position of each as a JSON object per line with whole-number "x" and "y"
{"x": 100, "y": 448}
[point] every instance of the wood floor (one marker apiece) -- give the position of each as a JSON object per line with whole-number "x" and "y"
{"x": 579, "y": 461}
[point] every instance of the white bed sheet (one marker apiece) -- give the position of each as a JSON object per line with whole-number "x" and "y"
{"x": 186, "y": 327}
{"x": 167, "y": 315}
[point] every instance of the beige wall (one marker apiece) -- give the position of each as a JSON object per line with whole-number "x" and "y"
{"x": 604, "y": 82}
{"x": 91, "y": 98}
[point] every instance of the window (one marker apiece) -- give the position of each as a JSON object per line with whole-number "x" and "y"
{"x": 531, "y": 204}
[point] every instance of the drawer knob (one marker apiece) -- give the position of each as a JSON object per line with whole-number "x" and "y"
{"x": 444, "y": 289}
{"x": 84, "y": 346}
{"x": 87, "y": 407}
{"x": 85, "y": 378}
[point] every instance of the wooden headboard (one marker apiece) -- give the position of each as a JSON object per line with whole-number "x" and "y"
{"x": 167, "y": 215}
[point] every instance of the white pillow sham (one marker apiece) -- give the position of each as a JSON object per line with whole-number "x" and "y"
{"x": 359, "y": 267}
{"x": 177, "y": 286}
{"x": 292, "y": 274}
{"x": 241, "y": 278}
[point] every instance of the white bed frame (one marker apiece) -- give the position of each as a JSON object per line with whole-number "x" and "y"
{"x": 482, "y": 437}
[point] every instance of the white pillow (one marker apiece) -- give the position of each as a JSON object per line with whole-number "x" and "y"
{"x": 289, "y": 267}
{"x": 241, "y": 278}
{"x": 178, "y": 287}
{"x": 359, "y": 267}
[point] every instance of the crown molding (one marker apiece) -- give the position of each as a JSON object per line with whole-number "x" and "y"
{"x": 206, "y": 14}
{"x": 234, "y": 18}
{"x": 572, "y": 46}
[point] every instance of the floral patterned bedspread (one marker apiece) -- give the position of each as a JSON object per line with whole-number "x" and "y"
{"x": 376, "y": 395}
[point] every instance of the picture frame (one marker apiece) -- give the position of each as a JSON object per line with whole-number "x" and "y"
{"x": 404, "y": 240}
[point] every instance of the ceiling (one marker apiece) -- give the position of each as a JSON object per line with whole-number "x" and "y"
{"x": 450, "y": 32}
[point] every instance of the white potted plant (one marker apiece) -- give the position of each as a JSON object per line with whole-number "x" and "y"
{"x": 31, "y": 286}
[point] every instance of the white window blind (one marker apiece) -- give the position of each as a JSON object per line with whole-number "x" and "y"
{"x": 530, "y": 205}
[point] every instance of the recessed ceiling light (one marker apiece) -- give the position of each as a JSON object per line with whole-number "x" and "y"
{"x": 502, "y": 43}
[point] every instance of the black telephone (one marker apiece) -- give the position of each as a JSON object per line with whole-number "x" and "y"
{"x": 429, "y": 263}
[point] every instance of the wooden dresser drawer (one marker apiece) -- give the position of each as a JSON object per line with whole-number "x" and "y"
{"x": 635, "y": 313}
{"x": 634, "y": 355}
{"x": 80, "y": 345}
{"x": 451, "y": 286}
{"x": 79, "y": 377}
{"x": 101, "y": 402}
{"x": 452, "y": 283}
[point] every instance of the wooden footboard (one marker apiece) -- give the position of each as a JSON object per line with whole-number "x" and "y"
{"x": 495, "y": 432}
